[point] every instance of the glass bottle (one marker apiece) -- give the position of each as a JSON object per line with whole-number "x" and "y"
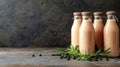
{"x": 98, "y": 26}
{"x": 87, "y": 34}
{"x": 75, "y": 29}
{"x": 111, "y": 34}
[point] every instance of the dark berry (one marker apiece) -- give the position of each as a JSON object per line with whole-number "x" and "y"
{"x": 56, "y": 54}
{"x": 100, "y": 58}
{"x": 74, "y": 57}
{"x": 40, "y": 55}
{"x": 68, "y": 58}
{"x": 90, "y": 60}
{"x": 107, "y": 59}
{"x": 53, "y": 54}
{"x": 61, "y": 57}
{"x": 33, "y": 55}
{"x": 96, "y": 59}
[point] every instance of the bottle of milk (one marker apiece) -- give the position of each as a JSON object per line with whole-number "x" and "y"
{"x": 87, "y": 34}
{"x": 98, "y": 26}
{"x": 111, "y": 34}
{"x": 75, "y": 29}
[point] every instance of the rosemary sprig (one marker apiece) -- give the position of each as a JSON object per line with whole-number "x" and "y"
{"x": 71, "y": 51}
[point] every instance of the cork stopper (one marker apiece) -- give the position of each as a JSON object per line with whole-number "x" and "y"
{"x": 86, "y": 13}
{"x": 98, "y": 13}
{"x": 77, "y": 13}
{"x": 111, "y": 13}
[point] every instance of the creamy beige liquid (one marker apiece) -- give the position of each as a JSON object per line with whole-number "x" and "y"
{"x": 111, "y": 37}
{"x": 75, "y": 32}
{"x": 98, "y": 26}
{"x": 87, "y": 38}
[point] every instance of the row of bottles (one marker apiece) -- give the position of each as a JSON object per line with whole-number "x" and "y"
{"x": 87, "y": 35}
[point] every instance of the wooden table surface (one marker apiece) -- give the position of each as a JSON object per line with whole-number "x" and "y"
{"x": 22, "y": 57}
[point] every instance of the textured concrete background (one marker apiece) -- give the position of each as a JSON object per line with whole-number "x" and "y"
{"x": 43, "y": 22}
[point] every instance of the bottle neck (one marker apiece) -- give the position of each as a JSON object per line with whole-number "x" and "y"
{"x": 98, "y": 17}
{"x": 112, "y": 17}
{"x": 77, "y": 17}
{"x": 87, "y": 17}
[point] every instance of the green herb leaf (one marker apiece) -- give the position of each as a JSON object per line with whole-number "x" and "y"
{"x": 71, "y": 51}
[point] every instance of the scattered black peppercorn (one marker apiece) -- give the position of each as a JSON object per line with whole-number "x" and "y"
{"x": 40, "y": 55}
{"x": 107, "y": 59}
{"x": 96, "y": 59}
{"x": 33, "y": 55}
{"x": 56, "y": 54}
{"x": 90, "y": 60}
{"x": 74, "y": 57}
{"x": 100, "y": 58}
{"x": 68, "y": 58}
{"x": 61, "y": 57}
{"x": 53, "y": 55}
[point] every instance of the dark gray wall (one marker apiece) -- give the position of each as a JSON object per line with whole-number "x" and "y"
{"x": 43, "y": 22}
